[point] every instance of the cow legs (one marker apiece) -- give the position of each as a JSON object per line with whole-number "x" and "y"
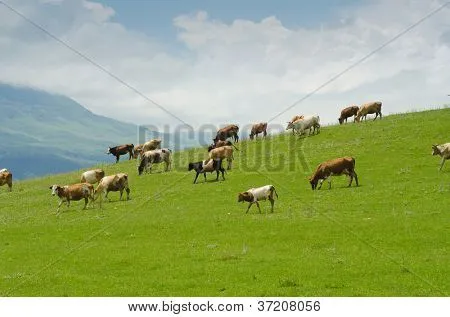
{"x": 248, "y": 208}
{"x": 257, "y": 205}
{"x": 229, "y": 164}
{"x": 117, "y": 158}
{"x": 265, "y": 133}
{"x": 223, "y": 173}
{"x": 86, "y": 200}
{"x": 442, "y": 163}
{"x": 356, "y": 178}
{"x": 196, "y": 176}
{"x": 128, "y": 193}
{"x": 121, "y": 192}
{"x": 320, "y": 183}
{"x": 272, "y": 202}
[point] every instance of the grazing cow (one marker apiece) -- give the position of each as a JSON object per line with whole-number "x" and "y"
{"x": 348, "y": 113}
{"x": 92, "y": 176}
{"x": 220, "y": 144}
{"x": 335, "y": 167}
{"x": 443, "y": 151}
{"x": 254, "y": 195}
{"x": 73, "y": 192}
{"x": 154, "y": 157}
{"x": 137, "y": 150}
{"x": 112, "y": 183}
{"x": 205, "y": 167}
{"x": 151, "y": 145}
{"x": 300, "y": 126}
{"x": 119, "y": 150}
{"x": 369, "y": 108}
{"x": 257, "y": 129}
{"x": 6, "y": 178}
{"x": 227, "y": 132}
{"x": 295, "y": 118}
{"x": 224, "y": 152}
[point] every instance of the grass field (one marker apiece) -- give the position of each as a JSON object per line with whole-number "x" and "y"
{"x": 388, "y": 237}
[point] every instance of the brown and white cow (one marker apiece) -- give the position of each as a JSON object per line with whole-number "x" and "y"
{"x": 335, "y": 167}
{"x": 348, "y": 113}
{"x": 227, "y": 132}
{"x": 369, "y": 108}
{"x": 258, "y": 128}
{"x": 254, "y": 195}
{"x": 112, "y": 183}
{"x": 6, "y": 178}
{"x": 295, "y": 118}
{"x": 119, "y": 150}
{"x": 221, "y": 153}
{"x": 154, "y": 157}
{"x": 73, "y": 192}
{"x": 443, "y": 151}
{"x": 92, "y": 176}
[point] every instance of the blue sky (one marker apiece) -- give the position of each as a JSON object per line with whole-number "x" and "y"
{"x": 234, "y": 64}
{"x": 154, "y": 17}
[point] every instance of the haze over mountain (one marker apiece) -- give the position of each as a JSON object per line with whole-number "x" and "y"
{"x": 43, "y": 133}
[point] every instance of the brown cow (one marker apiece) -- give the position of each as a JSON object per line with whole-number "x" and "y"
{"x": 369, "y": 108}
{"x": 224, "y": 152}
{"x": 119, "y": 150}
{"x": 220, "y": 144}
{"x": 348, "y": 113}
{"x": 6, "y": 178}
{"x": 112, "y": 183}
{"x": 258, "y": 128}
{"x": 151, "y": 145}
{"x": 335, "y": 167}
{"x": 227, "y": 132}
{"x": 73, "y": 192}
{"x": 295, "y": 118}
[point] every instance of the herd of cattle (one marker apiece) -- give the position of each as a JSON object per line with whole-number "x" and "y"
{"x": 151, "y": 153}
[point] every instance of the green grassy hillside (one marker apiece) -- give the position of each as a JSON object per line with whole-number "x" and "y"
{"x": 388, "y": 237}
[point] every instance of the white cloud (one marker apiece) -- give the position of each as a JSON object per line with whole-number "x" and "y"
{"x": 240, "y": 72}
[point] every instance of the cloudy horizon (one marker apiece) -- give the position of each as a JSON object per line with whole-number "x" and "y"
{"x": 239, "y": 66}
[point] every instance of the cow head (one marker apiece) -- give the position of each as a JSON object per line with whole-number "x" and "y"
{"x": 435, "y": 149}
{"x": 245, "y": 196}
{"x": 191, "y": 166}
{"x": 341, "y": 120}
{"x": 108, "y": 151}
{"x": 313, "y": 182}
{"x": 251, "y": 136}
{"x": 290, "y": 126}
{"x": 55, "y": 189}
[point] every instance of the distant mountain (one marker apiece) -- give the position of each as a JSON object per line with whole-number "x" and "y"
{"x": 43, "y": 133}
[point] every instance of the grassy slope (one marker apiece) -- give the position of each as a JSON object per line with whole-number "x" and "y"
{"x": 388, "y": 237}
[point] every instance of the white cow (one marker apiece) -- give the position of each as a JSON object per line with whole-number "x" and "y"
{"x": 300, "y": 126}
{"x": 443, "y": 151}
{"x": 92, "y": 176}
